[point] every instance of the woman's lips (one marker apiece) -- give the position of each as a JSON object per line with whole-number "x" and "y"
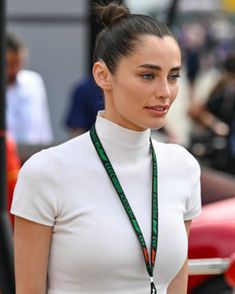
{"x": 158, "y": 109}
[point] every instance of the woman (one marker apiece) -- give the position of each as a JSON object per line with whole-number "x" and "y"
{"x": 85, "y": 221}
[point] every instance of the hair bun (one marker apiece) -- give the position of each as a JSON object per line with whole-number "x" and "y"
{"x": 111, "y": 13}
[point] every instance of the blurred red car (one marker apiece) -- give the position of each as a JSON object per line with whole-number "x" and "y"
{"x": 212, "y": 236}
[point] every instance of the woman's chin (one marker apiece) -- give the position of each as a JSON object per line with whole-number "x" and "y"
{"x": 157, "y": 125}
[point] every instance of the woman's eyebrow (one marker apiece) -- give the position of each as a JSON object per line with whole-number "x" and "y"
{"x": 177, "y": 68}
{"x": 150, "y": 66}
{"x": 157, "y": 67}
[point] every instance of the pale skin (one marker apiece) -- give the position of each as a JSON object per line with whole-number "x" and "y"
{"x": 138, "y": 96}
{"x": 32, "y": 245}
{"x": 143, "y": 81}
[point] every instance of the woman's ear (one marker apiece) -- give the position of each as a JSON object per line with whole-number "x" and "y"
{"x": 102, "y": 75}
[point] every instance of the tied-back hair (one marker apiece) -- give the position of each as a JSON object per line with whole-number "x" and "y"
{"x": 122, "y": 31}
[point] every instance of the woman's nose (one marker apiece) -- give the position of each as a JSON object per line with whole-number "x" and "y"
{"x": 163, "y": 89}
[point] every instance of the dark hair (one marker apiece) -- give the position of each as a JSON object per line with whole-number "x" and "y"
{"x": 229, "y": 63}
{"x": 122, "y": 31}
{"x": 14, "y": 43}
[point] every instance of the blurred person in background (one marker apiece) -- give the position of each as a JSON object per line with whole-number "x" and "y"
{"x": 193, "y": 40}
{"x": 217, "y": 114}
{"x": 27, "y": 113}
{"x": 86, "y": 100}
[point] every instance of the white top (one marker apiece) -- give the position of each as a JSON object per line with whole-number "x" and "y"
{"x": 27, "y": 113}
{"x": 94, "y": 248}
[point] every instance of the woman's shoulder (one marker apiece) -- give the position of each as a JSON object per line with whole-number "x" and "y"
{"x": 175, "y": 153}
{"x": 49, "y": 159}
{"x": 170, "y": 147}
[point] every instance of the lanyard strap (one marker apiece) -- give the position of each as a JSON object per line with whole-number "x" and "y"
{"x": 114, "y": 179}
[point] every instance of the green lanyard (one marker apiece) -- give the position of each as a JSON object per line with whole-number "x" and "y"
{"x": 113, "y": 177}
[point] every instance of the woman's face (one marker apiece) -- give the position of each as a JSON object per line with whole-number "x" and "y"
{"x": 144, "y": 84}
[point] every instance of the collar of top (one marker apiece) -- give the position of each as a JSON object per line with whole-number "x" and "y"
{"x": 111, "y": 132}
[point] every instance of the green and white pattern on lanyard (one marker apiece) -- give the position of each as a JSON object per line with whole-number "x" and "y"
{"x": 114, "y": 179}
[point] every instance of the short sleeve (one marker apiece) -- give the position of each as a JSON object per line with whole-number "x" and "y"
{"x": 193, "y": 204}
{"x": 36, "y": 194}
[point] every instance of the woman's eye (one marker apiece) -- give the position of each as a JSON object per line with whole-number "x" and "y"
{"x": 174, "y": 77}
{"x": 148, "y": 76}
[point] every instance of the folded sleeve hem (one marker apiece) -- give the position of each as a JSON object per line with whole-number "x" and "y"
{"x": 192, "y": 216}
{"x": 32, "y": 218}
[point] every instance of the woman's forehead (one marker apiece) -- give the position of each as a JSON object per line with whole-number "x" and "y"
{"x": 156, "y": 51}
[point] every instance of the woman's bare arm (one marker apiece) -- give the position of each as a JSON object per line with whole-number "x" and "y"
{"x": 180, "y": 282}
{"x": 32, "y": 245}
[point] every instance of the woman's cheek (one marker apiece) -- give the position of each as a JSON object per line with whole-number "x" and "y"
{"x": 175, "y": 91}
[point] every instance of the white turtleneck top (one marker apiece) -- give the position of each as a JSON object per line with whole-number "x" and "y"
{"x": 94, "y": 249}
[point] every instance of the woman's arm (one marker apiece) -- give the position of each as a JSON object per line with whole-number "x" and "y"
{"x": 180, "y": 282}
{"x": 32, "y": 245}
